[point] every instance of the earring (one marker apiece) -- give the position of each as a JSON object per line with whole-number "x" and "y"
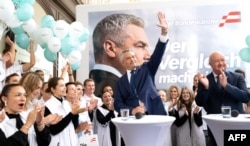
{"x": 5, "y": 103}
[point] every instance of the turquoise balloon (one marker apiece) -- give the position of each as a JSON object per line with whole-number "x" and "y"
{"x": 248, "y": 40}
{"x": 18, "y": 30}
{"x": 17, "y": 2}
{"x": 85, "y": 35}
{"x": 50, "y": 56}
{"x": 22, "y": 40}
{"x": 68, "y": 45}
{"x": 29, "y": 1}
{"x": 25, "y": 12}
{"x": 44, "y": 45}
{"x": 75, "y": 66}
{"x": 47, "y": 21}
{"x": 245, "y": 54}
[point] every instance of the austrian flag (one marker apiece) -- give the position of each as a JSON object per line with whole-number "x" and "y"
{"x": 232, "y": 17}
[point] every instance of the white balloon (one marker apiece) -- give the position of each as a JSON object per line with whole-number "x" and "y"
{"x": 13, "y": 21}
{"x": 29, "y": 26}
{"x": 61, "y": 29}
{"x": 75, "y": 30}
{"x": 82, "y": 46}
{"x": 35, "y": 35}
{"x": 7, "y": 8}
{"x": 74, "y": 57}
{"x": 54, "y": 44}
{"x": 45, "y": 34}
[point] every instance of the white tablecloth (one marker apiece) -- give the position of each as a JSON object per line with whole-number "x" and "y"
{"x": 218, "y": 124}
{"x": 151, "y": 130}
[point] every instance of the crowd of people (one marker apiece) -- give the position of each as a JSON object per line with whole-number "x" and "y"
{"x": 36, "y": 112}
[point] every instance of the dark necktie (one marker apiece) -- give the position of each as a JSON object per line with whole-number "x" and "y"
{"x": 218, "y": 83}
{"x": 19, "y": 122}
{"x": 132, "y": 81}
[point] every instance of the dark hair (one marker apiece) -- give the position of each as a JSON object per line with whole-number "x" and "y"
{"x": 67, "y": 84}
{"x": 7, "y": 79}
{"x": 5, "y": 91}
{"x": 52, "y": 83}
{"x": 7, "y": 48}
{"x": 38, "y": 70}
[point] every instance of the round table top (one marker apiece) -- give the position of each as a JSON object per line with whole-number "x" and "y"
{"x": 242, "y": 118}
{"x": 146, "y": 119}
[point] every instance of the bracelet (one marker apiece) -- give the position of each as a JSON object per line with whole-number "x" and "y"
{"x": 26, "y": 127}
{"x": 70, "y": 74}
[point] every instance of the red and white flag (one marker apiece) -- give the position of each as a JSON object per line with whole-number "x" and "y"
{"x": 232, "y": 17}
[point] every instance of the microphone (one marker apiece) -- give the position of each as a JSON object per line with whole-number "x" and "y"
{"x": 234, "y": 113}
{"x": 139, "y": 115}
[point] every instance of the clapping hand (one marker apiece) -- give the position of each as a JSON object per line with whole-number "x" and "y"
{"x": 75, "y": 108}
{"x": 40, "y": 113}
{"x": 203, "y": 80}
{"x": 92, "y": 104}
{"x": 52, "y": 119}
{"x": 196, "y": 109}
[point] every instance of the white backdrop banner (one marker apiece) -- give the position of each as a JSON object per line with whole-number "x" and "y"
{"x": 196, "y": 29}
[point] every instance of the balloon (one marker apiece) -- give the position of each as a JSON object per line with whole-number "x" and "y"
{"x": 245, "y": 54}
{"x": 75, "y": 66}
{"x": 45, "y": 34}
{"x": 248, "y": 40}
{"x": 85, "y": 35}
{"x": 74, "y": 57}
{"x": 54, "y": 44}
{"x": 44, "y": 46}
{"x": 25, "y": 12}
{"x": 35, "y": 35}
{"x": 50, "y": 56}
{"x": 7, "y": 8}
{"x": 75, "y": 30}
{"x": 68, "y": 45}
{"x": 63, "y": 55}
{"x": 13, "y": 21}
{"x": 28, "y": 1}
{"x": 61, "y": 29}
{"x": 22, "y": 40}
{"x": 29, "y": 26}
{"x": 19, "y": 2}
{"x": 47, "y": 21}
{"x": 82, "y": 46}
{"x": 17, "y": 30}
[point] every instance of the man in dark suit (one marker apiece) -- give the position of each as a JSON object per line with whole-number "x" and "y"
{"x": 142, "y": 96}
{"x": 221, "y": 87}
{"x": 111, "y": 35}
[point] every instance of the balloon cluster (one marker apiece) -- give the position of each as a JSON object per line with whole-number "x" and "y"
{"x": 245, "y": 52}
{"x": 53, "y": 36}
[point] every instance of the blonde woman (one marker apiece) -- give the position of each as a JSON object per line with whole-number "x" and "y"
{"x": 189, "y": 130}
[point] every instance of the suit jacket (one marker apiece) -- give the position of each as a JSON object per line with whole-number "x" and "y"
{"x": 103, "y": 78}
{"x": 234, "y": 94}
{"x": 145, "y": 86}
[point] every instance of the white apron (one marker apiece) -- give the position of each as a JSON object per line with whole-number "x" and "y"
{"x": 67, "y": 137}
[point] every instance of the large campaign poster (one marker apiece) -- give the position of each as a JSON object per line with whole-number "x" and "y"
{"x": 196, "y": 29}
